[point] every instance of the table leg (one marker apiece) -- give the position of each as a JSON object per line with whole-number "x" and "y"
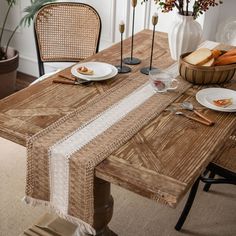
{"x": 103, "y": 204}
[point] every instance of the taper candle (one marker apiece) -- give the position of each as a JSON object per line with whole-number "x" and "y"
{"x": 132, "y": 60}
{"x": 155, "y": 19}
{"x": 146, "y": 70}
{"x": 122, "y": 27}
{"x": 121, "y": 68}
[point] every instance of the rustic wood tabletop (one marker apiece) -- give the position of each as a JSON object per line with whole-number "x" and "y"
{"x": 162, "y": 160}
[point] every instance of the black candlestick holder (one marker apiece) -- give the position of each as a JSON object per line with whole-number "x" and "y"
{"x": 146, "y": 70}
{"x": 132, "y": 60}
{"x": 121, "y": 68}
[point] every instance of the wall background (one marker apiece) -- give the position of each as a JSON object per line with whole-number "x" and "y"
{"x": 111, "y": 12}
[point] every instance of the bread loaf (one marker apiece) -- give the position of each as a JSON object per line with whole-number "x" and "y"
{"x": 225, "y": 60}
{"x": 216, "y": 53}
{"x": 199, "y": 57}
{"x": 210, "y": 62}
{"x": 231, "y": 52}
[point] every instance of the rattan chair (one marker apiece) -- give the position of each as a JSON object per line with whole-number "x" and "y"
{"x": 224, "y": 166}
{"x": 66, "y": 32}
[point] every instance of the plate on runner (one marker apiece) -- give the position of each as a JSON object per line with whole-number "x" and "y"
{"x": 100, "y": 70}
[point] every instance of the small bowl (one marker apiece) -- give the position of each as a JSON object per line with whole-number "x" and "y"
{"x": 204, "y": 74}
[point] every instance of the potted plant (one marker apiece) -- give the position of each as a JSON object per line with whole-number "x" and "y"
{"x": 185, "y": 33}
{"x": 9, "y": 57}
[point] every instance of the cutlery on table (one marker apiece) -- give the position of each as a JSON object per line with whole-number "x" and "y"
{"x": 194, "y": 118}
{"x": 189, "y": 106}
{"x": 58, "y": 81}
{"x": 67, "y": 77}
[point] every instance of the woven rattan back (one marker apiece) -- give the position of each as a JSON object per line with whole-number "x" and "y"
{"x": 66, "y": 32}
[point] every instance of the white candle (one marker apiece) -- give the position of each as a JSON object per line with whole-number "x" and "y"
{"x": 155, "y": 14}
{"x": 155, "y": 18}
{"x": 122, "y": 26}
{"x": 122, "y": 22}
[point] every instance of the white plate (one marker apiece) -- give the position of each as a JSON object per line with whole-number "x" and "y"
{"x": 206, "y": 96}
{"x": 100, "y": 70}
{"x": 113, "y": 73}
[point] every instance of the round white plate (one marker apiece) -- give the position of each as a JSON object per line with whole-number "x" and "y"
{"x": 113, "y": 73}
{"x": 206, "y": 96}
{"x": 100, "y": 70}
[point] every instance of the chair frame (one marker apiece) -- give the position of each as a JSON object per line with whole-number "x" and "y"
{"x": 229, "y": 177}
{"x": 40, "y": 62}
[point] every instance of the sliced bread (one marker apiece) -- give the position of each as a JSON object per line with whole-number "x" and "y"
{"x": 85, "y": 71}
{"x": 199, "y": 57}
{"x": 209, "y": 63}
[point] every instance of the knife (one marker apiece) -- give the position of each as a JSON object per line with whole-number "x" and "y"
{"x": 67, "y": 77}
{"x": 58, "y": 81}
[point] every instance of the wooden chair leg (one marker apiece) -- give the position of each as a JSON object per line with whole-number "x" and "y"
{"x": 207, "y": 185}
{"x": 188, "y": 205}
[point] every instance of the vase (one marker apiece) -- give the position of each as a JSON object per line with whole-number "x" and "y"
{"x": 8, "y": 70}
{"x": 184, "y": 36}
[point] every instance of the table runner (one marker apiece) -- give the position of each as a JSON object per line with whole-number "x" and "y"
{"x": 61, "y": 158}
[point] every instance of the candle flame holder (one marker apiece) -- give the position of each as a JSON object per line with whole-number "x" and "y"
{"x": 132, "y": 60}
{"x": 121, "y": 68}
{"x": 146, "y": 70}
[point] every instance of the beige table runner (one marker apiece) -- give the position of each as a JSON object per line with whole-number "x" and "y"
{"x": 62, "y": 158}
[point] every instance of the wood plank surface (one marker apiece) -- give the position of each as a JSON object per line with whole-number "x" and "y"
{"x": 48, "y": 102}
{"x": 226, "y": 158}
{"x": 174, "y": 147}
{"x": 162, "y": 160}
{"x": 142, "y": 181}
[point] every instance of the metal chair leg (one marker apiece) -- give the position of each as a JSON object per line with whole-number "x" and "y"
{"x": 208, "y": 185}
{"x": 188, "y": 205}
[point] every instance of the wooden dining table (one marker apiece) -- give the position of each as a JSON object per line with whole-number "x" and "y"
{"x": 160, "y": 162}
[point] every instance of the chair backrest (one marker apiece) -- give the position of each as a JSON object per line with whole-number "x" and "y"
{"x": 66, "y": 32}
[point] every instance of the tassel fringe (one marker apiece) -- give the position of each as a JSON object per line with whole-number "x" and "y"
{"x": 83, "y": 228}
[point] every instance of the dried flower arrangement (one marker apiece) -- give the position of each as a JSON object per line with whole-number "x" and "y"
{"x": 199, "y": 6}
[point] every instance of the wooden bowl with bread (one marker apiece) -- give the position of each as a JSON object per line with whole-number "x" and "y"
{"x": 205, "y": 66}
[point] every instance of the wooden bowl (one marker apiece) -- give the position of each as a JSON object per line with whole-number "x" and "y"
{"x": 205, "y": 75}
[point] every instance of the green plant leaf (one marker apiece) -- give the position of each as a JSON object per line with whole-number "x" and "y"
{"x": 13, "y": 2}
{"x": 32, "y": 10}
